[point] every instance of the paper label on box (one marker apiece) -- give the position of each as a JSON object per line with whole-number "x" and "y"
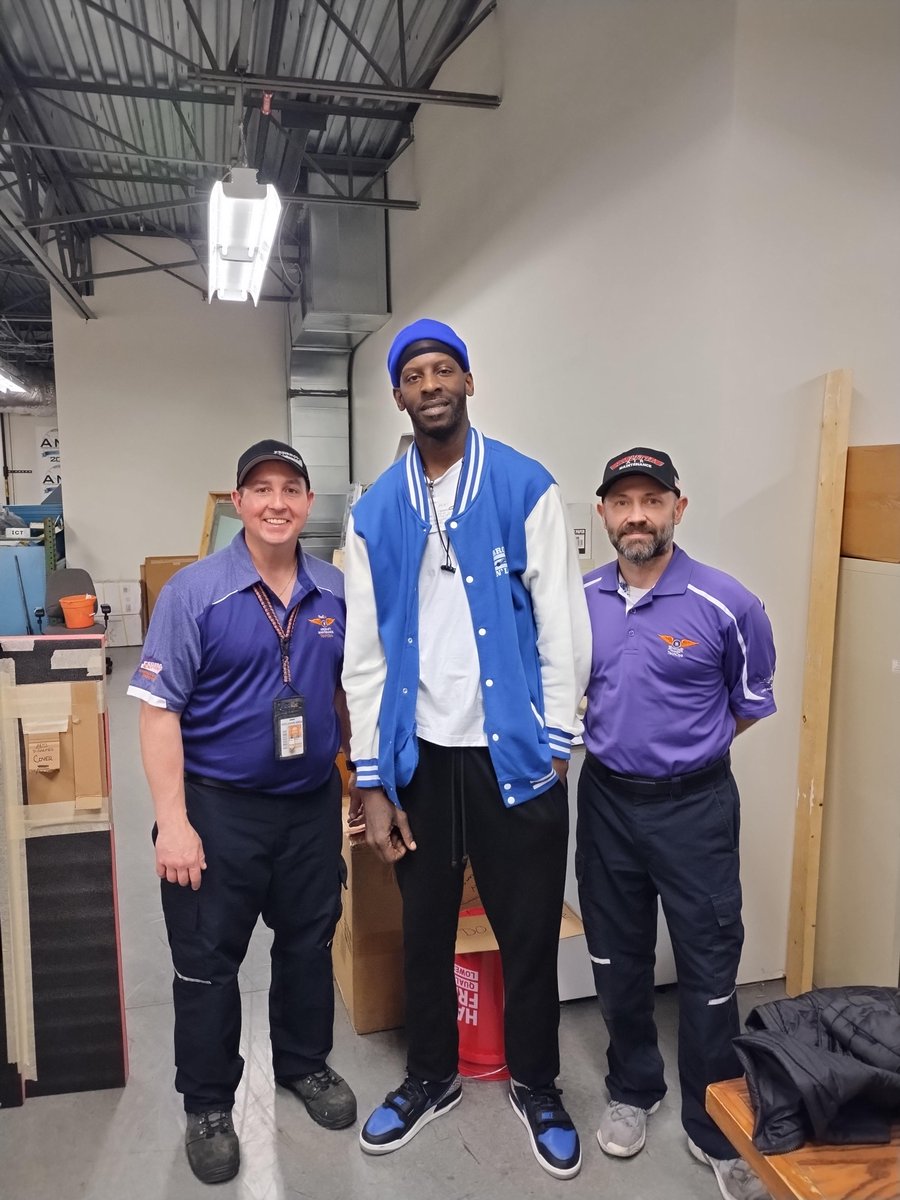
{"x": 42, "y": 752}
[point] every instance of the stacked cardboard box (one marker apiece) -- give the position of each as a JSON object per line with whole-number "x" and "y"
{"x": 368, "y": 943}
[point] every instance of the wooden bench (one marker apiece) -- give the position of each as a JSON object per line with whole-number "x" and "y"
{"x": 813, "y": 1172}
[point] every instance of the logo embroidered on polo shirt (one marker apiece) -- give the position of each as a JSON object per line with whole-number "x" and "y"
{"x": 677, "y": 646}
{"x": 150, "y": 669}
{"x": 324, "y": 623}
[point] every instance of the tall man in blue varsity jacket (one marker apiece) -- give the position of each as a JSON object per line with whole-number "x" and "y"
{"x": 467, "y": 653}
{"x": 240, "y": 724}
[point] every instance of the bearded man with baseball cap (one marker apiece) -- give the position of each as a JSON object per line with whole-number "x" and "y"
{"x": 683, "y": 660}
{"x": 467, "y": 655}
{"x": 240, "y": 723}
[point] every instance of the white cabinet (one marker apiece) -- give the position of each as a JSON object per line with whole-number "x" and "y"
{"x": 858, "y": 917}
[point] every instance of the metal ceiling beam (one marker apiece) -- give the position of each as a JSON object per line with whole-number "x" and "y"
{"x": 204, "y": 42}
{"x": 354, "y": 41}
{"x": 24, "y": 242}
{"x": 77, "y": 116}
{"x": 125, "y": 210}
{"x": 137, "y": 31}
{"x": 273, "y": 54}
{"x": 353, "y": 202}
{"x": 168, "y": 158}
{"x": 131, "y": 177}
{"x": 167, "y": 269}
{"x": 313, "y": 110}
{"x": 433, "y": 67}
{"x": 167, "y": 266}
{"x": 337, "y": 87}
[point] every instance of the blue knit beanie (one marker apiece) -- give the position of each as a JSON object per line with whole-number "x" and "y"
{"x": 423, "y": 337}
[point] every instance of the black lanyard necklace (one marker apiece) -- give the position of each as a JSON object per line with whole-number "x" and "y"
{"x": 284, "y": 635}
{"x": 443, "y": 536}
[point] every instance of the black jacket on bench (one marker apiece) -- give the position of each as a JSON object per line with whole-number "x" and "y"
{"x": 824, "y": 1067}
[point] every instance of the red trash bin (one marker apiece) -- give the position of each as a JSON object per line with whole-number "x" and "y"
{"x": 479, "y": 990}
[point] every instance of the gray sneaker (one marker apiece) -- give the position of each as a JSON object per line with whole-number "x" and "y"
{"x": 212, "y": 1146}
{"x": 623, "y": 1128}
{"x": 736, "y": 1179}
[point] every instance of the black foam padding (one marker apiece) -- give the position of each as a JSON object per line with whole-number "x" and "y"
{"x": 78, "y": 1026}
{"x": 34, "y": 664}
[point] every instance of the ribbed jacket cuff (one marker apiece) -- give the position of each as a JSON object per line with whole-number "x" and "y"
{"x": 367, "y": 775}
{"x": 560, "y": 743}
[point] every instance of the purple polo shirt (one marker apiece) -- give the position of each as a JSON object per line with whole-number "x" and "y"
{"x": 212, "y": 655}
{"x": 669, "y": 677}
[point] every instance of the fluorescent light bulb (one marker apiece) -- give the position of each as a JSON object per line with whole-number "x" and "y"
{"x": 243, "y": 222}
{"x": 8, "y": 382}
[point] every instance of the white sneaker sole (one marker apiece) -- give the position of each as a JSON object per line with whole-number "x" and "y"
{"x": 556, "y": 1172}
{"x": 702, "y": 1157}
{"x": 390, "y": 1147}
{"x": 618, "y": 1151}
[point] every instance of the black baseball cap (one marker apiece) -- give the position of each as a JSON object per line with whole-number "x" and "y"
{"x": 270, "y": 451}
{"x": 641, "y": 461}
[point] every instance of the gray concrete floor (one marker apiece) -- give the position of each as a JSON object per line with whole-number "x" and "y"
{"x": 128, "y": 1143}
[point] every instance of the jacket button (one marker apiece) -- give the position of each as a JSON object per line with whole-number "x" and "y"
{"x": 409, "y": 641}
{"x": 495, "y": 737}
{"x": 405, "y": 691}
{"x": 482, "y": 632}
{"x": 510, "y": 799}
{"x": 489, "y": 683}
{"x": 453, "y": 524}
{"x": 470, "y": 579}
{"x": 508, "y": 786}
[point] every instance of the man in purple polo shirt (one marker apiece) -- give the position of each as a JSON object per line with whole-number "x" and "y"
{"x": 240, "y": 683}
{"x": 683, "y": 661}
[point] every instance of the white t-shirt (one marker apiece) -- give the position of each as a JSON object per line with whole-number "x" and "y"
{"x": 449, "y": 711}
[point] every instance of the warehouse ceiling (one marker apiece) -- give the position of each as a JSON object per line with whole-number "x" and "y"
{"x": 116, "y": 117}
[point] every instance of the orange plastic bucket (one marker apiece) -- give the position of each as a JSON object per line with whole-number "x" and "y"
{"x": 78, "y": 611}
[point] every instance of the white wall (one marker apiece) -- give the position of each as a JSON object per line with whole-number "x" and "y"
{"x": 156, "y": 399}
{"x": 682, "y": 216}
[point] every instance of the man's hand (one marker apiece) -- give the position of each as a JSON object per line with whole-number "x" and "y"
{"x": 356, "y": 815}
{"x": 179, "y": 855}
{"x": 387, "y": 827}
{"x": 561, "y": 767}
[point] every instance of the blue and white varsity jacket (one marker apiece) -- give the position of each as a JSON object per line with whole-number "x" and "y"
{"x": 511, "y": 538}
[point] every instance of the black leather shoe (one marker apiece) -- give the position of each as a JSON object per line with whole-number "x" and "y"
{"x": 212, "y": 1146}
{"x": 328, "y": 1098}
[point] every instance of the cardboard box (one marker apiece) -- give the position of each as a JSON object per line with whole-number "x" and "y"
{"x": 367, "y": 952}
{"x": 68, "y": 763}
{"x": 368, "y": 944}
{"x": 474, "y": 934}
{"x": 871, "y": 526}
{"x": 156, "y": 571}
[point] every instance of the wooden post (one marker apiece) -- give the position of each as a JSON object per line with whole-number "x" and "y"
{"x": 817, "y": 680}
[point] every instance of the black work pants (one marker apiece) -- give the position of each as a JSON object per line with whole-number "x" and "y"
{"x": 278, "y": 857}
{"x": 682, "y": 846}
{"x": 518, "y": 855}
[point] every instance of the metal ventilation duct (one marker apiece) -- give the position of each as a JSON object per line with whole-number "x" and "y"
{"x": 343, "y": 298}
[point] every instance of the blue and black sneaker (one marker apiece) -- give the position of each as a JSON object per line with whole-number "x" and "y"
{"x": 554, "y": 1140}
{"x": 405, "y": 1111}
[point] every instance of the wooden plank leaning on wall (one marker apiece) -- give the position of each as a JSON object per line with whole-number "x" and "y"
{"x": 817, "y": 680}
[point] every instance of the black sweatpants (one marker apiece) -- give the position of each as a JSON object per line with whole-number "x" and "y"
{"x": 680, "y": 845}
{"x": 455, "y": 807}
{"x": 278, "y": 857}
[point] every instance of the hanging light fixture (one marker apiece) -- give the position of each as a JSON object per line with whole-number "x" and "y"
{"x": 243, "y": 221}
{"x": 9, "y": 381}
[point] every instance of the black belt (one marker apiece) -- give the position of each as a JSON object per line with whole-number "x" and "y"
{"x": 220, "y": 784}
{"x": 640, "y": 785}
